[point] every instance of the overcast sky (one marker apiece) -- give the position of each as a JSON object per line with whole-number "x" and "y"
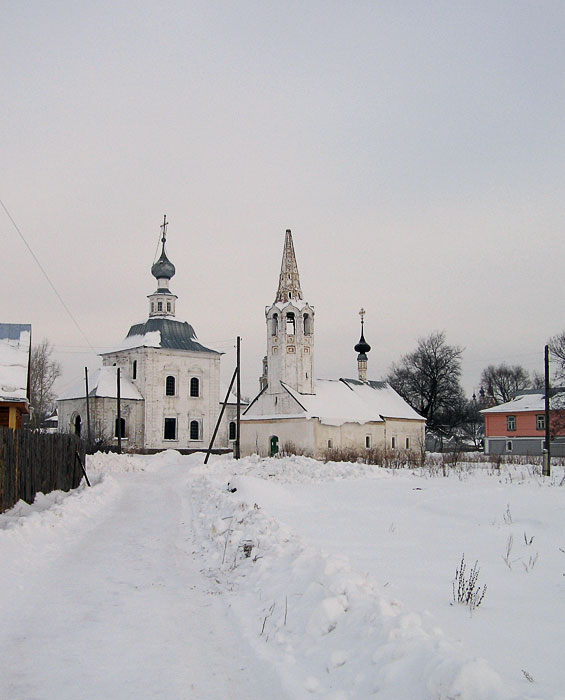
{"x": 416, "y": 150}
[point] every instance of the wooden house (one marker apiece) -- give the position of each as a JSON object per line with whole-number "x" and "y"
{"x": 15, "y": 354}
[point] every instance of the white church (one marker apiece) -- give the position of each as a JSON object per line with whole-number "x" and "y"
{"x": 170, "y": 395}
{"x": 294, "y": 410}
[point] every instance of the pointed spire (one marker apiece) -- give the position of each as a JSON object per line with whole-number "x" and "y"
{"x": 289, "y": 281}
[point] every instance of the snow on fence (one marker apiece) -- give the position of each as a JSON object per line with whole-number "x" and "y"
{"x": 32, "y": 462}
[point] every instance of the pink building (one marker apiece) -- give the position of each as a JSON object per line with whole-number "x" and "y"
{"x": 518, "y": 426}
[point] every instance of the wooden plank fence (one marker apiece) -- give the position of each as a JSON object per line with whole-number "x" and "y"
{"x": 31, "y": 462}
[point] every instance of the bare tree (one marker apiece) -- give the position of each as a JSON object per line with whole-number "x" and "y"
{"x": 557, "y": 347}
{"x": 501, "y": 384}
{"x": 428, "y": 379}
{"x": 42, "y": 375}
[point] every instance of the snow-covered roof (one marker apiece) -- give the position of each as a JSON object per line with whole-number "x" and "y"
{"x": 15, "y": 342}
{"x": 339, "y": 401}
{"x": 103, "y": 383}
{"x": 159, "y": 332}
{"x": 528, "y": 401}
{"x": 232, "y": 398}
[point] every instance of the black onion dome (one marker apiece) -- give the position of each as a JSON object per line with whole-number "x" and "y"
{"x": 362, "y": 346}
{"x": 163, "y": 268}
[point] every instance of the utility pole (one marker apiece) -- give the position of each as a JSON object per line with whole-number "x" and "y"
{"x": 236, "y": 452}
{"x": 547, "y": 451}
{"x": 119, "y": 420}
{"x": 87, "y": 406}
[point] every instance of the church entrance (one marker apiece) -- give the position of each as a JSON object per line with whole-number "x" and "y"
{"x": 274, "y": 445}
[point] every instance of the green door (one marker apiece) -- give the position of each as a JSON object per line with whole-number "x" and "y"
{"x": 274, "y": 445}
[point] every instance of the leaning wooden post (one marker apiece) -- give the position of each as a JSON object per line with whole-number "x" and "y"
{"x": 119, "y": 421}
{"x": 220, "y": 418}
{"x": 87, "y": 406}
{"x": 546, "y": 470}
{"x": 236, "y": 451}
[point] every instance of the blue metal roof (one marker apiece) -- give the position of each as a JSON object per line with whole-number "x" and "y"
{"x": 177, "y": 335}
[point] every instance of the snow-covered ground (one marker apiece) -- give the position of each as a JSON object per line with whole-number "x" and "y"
{"x": 283, "y": 578}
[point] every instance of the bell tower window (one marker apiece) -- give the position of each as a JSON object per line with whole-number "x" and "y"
{"x": 275, "y": 324}
{"x": 159, "y": 306}
{"x": 290, "y": 323}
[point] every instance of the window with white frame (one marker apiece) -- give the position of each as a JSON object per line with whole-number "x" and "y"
{"x": 540, "y": 422}
{"x": 195, "y": 430}
{"x": 510, "y": 422}
{"x": 170, "y": 385}
{"x": 194, "y": 387}
{"x": 120, "y": 425}
{"x": 170, "y": 429}
{"x": 509, "y": 446}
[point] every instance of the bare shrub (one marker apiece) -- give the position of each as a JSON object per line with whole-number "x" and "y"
{"x": 288, "y": 449}
{"x": 465, "y": 590}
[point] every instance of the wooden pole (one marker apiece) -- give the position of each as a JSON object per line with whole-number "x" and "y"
{"x": 87, "y": 406}
{"x": 119, "y": 425}
{"x": 547, "y": 452}
{"x": 236, "y": 450}
{"x": 220, "y": 418}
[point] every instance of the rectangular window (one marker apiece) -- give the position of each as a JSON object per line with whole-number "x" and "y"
{"x": 540, "y": 422}
{"x": 168, "y": 306}
{"x": 393, "y": 442}
{"x": 407, "y": 443}
{"x": 510, "y": 422}
{"x": 159, "y": 306}
{"x": 170, "y": 432}
{"x": 134, "y": 370}
{"x": 330, "y": 444}
{"x": 367, "y": 441}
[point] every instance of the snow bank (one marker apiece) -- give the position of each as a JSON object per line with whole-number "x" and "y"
{"x": 327, "y": 628}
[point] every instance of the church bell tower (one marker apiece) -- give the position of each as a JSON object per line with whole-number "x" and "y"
{"x": 290, "y": 331}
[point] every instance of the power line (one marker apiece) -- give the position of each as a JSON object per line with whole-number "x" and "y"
{"x": 34, "y": 256}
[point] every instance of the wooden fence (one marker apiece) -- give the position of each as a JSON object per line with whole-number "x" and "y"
{"x": 31, "y": 462}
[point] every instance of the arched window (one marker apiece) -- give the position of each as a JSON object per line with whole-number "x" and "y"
{"x": 307, "y": 324}
{"x": 170, "y": 386}
{"x": 121, "y": 426}
{"x": 290, "y": 323}
{"x": 194, "y": 430}
{"x": 194, "y": 386}
{"x": 134, "y": 370}
{"x": 233, "y": 430}
{"x": 78, "y": 425}
{"x": 275, "y": 327}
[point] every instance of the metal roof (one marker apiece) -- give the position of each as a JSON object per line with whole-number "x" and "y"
{"x": 177, "y": 335}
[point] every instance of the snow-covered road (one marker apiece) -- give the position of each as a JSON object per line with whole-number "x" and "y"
{"x": 104, "y": 597}
{"x": 282, "y": 578}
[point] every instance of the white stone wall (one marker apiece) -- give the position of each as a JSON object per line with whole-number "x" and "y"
{"x": 103, "y": 414}
{"x": 256, "y": 435}
{"x": 401, "y": 430}
{"x": 153, "y": 367}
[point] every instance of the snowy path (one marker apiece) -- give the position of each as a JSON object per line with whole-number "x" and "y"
{"x": 108, "y": 601}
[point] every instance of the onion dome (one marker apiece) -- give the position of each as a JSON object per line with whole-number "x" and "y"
{"x": 362, "y": 346}
{"x": 163, "y": 268}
